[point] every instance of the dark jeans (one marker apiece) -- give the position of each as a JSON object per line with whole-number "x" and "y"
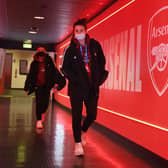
{"x": 91, "y": 110}
{"x": 42, "y": 100}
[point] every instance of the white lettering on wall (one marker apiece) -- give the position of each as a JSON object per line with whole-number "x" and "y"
{"x": 123, "y": 55}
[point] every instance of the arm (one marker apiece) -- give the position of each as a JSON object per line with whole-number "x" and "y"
{"x": 101, "y": 57}
{"x": 67, "y": 67}
{"x": 101, "y": 62}
{"x": 57, "y": 77}
{"x": 28, "y": 78}
{"x": 60, "y": 80}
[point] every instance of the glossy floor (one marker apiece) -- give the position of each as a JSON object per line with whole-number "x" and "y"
{"x": 21, "y": 145}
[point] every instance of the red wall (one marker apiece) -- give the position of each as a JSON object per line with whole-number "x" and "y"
{"x": 2, "y": 85}
{"x": 2, "y": 74}
{"x": 133, "y": 101}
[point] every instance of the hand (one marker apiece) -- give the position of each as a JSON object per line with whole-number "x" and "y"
{"x": 26, "y": 92}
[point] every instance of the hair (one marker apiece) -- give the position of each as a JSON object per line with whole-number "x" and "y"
{"x": 81, "y": 22}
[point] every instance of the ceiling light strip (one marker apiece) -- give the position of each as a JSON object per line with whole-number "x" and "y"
{"x": 65, "y": 44}
{"x": 63, "y": 95}
{"x": 112, "y": 14}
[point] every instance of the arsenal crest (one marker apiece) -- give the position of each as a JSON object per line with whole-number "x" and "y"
{"x": 157, "y": 51}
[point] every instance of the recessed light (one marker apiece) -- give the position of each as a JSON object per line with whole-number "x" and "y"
{"x": 32, "y": 32}
{"x": 39, "y": 17}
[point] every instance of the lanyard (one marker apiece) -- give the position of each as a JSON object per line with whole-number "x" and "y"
{"x": 86, "y": 58}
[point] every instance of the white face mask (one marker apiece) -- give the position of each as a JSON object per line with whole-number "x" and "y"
{"x": 80, "y": 36}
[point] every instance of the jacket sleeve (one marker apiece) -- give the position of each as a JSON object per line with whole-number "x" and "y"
{"x": 101, "y": 57}
{"x": 67, "y": 67}
{"x": 28, "y": 78}
{"x": 58, "y": 78}
{"x": 101, "y": 62}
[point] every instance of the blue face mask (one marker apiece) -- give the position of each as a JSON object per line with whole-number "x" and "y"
{"x": 80, "y": 36}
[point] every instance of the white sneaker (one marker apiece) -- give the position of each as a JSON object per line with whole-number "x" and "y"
{"x": 39, "y": 124}
{"x": 78, "y": 149}
{"x": 83, "y": 138}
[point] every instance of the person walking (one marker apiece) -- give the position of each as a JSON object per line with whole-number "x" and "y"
{"x": 84, "y": 67}
{"x": 42, "y": 77}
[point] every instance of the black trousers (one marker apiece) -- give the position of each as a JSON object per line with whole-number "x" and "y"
{"x": 91, "y": 109}
{"x": 42, "y": 100}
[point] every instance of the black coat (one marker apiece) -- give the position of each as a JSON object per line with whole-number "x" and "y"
{"x": 52, "y": 76}
{"x": 74, "y": 68}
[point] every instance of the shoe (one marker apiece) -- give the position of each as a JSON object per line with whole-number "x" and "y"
{"x": 39, "y": 124}
{"x": 83, "y": 138}
{"x": 79, "y": 149}
{"x": 43, "y": 117}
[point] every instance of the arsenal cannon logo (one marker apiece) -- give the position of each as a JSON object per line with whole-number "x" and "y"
{"x": 157, "y": 51}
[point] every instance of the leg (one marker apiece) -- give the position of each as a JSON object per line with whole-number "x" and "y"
{"x": 38, "y": 103}
{"x": 42, "y": 101}
{"x": 76, "y": 104}
{"x": 45, "y": 102}
{"x": 91, "y": 110}
{"x": 45, "y": 99}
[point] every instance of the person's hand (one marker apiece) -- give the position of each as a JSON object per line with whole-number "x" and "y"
{"x": 26, "y": 92}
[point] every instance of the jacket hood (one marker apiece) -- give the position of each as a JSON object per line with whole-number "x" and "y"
{"x": 40, "y": 57}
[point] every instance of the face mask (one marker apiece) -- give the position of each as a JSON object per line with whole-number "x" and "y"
{"x": 80, "y": 36}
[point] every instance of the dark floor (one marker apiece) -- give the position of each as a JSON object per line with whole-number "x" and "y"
{"x": 21, "y": 145}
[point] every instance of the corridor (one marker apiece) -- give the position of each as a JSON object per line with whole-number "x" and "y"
{"x": 21, "y": 145}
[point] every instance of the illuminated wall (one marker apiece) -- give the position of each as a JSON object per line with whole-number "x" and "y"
{"x": 133, "y": 101}
{"x": 2, "y": 61}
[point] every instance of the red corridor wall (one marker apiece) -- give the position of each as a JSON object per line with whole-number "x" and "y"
{"x": 133, "y": 100}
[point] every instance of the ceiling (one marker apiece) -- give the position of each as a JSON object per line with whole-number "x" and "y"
{"x": 16, "y": 17}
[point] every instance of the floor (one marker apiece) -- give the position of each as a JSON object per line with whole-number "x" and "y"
{"x": 21, "y": 145}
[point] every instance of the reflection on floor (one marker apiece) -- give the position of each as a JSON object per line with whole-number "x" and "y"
{"x": 21, "y": 145}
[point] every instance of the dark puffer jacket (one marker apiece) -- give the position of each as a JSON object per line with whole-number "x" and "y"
{"x": 52, "y": 76}
{"x": 74, "y": 68}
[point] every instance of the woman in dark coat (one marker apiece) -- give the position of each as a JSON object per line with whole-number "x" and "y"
{"x": 43, "y": 75}
{"x": 84, "y": 66}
